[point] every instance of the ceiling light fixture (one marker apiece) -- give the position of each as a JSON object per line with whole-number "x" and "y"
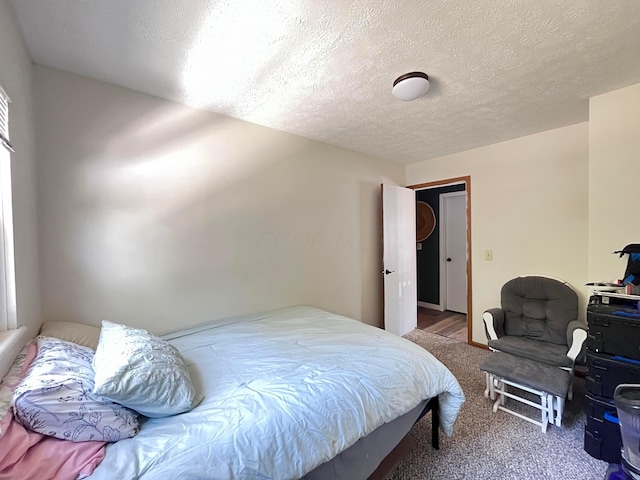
{"x": 410, "y": 86}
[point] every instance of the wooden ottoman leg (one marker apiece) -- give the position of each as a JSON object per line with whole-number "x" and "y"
{"x": 487, "y": 384}
{"x": 545, "y": 411}
{"x": 492, "y": 391}
{"x": 559, "y": 410}
{"x": 496, "y": 404}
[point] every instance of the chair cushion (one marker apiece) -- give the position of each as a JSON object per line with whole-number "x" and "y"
{"x": 529, "y": 373}
{"x": 538, "y": 308}
{"x": 549, "y": 353}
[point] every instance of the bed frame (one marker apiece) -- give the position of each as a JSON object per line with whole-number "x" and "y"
{"x": 406, "y": 445}
{"x": 379, "y": 453}
{"x": 373, "y": 457}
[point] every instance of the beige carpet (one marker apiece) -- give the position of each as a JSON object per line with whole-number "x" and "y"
{"x": 487, "y": 445}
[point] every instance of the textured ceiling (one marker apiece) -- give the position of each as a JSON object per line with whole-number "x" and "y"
{"x": 324, "y": 69}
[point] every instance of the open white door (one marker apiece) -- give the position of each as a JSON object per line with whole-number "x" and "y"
{"x": 399, "y": 259}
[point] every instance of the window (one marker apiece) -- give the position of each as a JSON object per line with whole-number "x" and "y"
{"x": 4, "y": 120}
{"x": 8, "y": 319}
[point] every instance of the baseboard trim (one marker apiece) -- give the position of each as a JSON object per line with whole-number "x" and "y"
{"x": 432, "y": 306}
{"x": 479, "y": 345}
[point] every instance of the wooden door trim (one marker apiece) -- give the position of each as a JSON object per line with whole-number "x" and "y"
{"x": 384, "y": 319}
{"x": 467, "y": 182}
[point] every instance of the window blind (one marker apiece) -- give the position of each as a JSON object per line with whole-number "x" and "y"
{"x": 4, "y": 120}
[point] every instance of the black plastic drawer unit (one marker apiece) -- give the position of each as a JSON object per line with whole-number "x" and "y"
{"x": 605, "y": 373}
{"x": 613, "y": 334}
{"x": 602, "y": 437}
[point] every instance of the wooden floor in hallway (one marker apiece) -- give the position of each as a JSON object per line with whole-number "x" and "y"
{"x": 448, "y": 324}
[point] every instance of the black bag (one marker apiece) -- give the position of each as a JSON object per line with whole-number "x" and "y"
{"x": 632, "y": 273}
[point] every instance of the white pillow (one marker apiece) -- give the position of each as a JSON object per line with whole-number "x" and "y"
{"x": 54, "y": 398}
{"x": 142, "y": 371}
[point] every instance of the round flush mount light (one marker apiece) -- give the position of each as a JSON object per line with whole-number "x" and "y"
{"x": 410, "y": 86}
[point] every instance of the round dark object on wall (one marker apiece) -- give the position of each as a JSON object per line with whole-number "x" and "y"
{"x": 425, "y": 221}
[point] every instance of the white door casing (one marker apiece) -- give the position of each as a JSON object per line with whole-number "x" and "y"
{"x": 399, "y": 259}
{"x": 453, "y": 251}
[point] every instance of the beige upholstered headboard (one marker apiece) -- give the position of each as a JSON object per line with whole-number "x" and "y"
{"x": 12, "y": 341}
{"x": 86, "y": 335}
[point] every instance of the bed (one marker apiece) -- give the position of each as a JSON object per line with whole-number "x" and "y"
{"x": 291, "y": 393}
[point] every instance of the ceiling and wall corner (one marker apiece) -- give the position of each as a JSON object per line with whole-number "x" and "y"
{"x": 499, "y": 70}
{"x": 324, "y": 70}
{"x": 159, "y": 215}
{"x": 614, "y": 169}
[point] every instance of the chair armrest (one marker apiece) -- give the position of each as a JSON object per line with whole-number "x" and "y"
{"x": 493, "y": 323}
{"x": 576, "y": 336}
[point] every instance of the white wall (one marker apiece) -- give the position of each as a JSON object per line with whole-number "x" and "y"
{"x": 528, "y": 204}
{"x": 16, "y": 78}
{"x": 614, "y": 179}
{"x": 160, "y": 215}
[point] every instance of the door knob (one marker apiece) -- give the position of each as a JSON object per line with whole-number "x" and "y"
{"x": 449, "y": 259}
{"x": 387, "y": 271}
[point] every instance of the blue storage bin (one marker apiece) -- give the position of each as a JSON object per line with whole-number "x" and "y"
{"x": 627, "y": 401}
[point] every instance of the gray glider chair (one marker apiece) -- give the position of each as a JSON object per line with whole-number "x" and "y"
{"x": 538, "y": 321}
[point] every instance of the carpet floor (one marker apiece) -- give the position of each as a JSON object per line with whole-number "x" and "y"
{"x": 487, "y": 445}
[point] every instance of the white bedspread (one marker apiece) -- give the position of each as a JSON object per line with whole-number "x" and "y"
{"x": 285, "y": 391}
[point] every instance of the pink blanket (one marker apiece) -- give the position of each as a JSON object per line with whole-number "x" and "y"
{"x": 26, "y": 455}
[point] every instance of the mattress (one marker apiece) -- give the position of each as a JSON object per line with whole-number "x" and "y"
{"x": 285, "y": 391}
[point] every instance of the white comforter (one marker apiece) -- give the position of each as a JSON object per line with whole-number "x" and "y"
{"x": 285, "y": 391}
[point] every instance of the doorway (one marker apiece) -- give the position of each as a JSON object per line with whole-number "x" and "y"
{"x": 443, "y": 259}
{"x": 453, "y": 252}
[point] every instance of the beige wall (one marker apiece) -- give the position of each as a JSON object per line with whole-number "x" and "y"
{"x": 16, "y": 78}
{"x": 160, "y": 215}
{"x": 614, "y": 179}
{"x": 528, "y": 204}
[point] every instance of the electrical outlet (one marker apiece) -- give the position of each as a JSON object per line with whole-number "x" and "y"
{"x": 488, "y": 255}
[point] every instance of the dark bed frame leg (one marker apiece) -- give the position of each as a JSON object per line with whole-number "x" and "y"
{"x": 435, "y": 422}
{"x": 405, "y": 446}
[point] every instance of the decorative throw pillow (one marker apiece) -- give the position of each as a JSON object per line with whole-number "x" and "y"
{"x": 142, "y": 371}
{"x": 55, "y": 397}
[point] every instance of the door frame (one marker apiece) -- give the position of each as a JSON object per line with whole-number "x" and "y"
{"x": 467, "y": 182}
{"x": 442, "y": 243}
